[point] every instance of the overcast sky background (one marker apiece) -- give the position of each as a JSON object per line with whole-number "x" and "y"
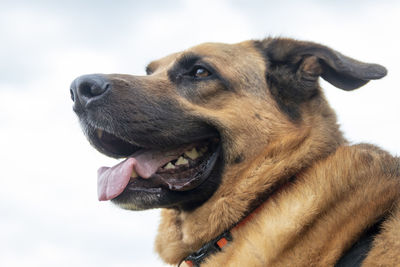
{"x": 49, "y": 213}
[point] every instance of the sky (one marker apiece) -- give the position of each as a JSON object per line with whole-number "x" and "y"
{"x": 49, "y": 213}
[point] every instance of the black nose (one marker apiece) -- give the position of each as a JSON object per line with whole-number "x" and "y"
{"x": 88, "y": 88}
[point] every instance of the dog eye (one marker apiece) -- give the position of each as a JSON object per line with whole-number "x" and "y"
{"x": 200, "y": 72}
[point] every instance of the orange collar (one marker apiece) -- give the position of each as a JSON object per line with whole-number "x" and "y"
{"x": 216, "y": 245}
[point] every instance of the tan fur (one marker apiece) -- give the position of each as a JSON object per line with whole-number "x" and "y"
{"x": 339, "y": 190}
{"x": 387, "y": 245}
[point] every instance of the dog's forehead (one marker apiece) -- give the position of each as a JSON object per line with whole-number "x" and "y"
{"x": 220, "y": 49}
{"x": 218, "y": 53}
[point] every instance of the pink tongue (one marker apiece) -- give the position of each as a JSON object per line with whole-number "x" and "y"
{"x": 111, "y": 182}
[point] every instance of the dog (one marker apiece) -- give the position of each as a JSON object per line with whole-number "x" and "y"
{"x": 238, "y": 146}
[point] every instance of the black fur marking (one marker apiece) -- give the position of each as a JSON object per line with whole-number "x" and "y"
{"x": 130, "y": 113}
{"x": 182, "y": 74}
{"x": 355, "y": 256}
{"x": 287, "y": 84}
{"x": 182, "y": 66}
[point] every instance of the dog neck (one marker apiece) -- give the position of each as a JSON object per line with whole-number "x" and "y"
{"x": 181, "y": 233}
{"x": 218, "y": 243}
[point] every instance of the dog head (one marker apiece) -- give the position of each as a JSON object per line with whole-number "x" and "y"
{"x": 189, "y": 125}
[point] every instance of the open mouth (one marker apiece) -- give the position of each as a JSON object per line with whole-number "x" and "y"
{"x": 179, "y": 168}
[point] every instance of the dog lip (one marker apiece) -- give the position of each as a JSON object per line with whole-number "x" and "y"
{"x": 112, "y": 145}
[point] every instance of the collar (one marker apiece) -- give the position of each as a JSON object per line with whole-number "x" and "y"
{"x": 216, "y": 245}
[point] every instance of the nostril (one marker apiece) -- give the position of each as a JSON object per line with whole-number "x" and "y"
{"x": 88, "y": 88}
{"x": 91, "y": 89}
{"x": 72, "y": 94}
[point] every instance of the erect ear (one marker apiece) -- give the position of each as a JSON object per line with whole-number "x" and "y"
{"x": 313, "y": 60}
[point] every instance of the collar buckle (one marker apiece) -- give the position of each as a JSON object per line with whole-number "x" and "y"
{"x": 209, "y": 248}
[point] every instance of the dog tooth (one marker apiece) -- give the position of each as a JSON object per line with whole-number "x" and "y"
{"x": 169, "y": 166}
{"x": 181, "y": 161}
{"x": 134, "y": 174}
{"x": 99, "y": 133}
{"x": 192, "y": 154}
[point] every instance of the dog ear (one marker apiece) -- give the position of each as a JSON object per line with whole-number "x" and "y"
{"x": 293, "y": 68}
{"x": 314, "y": 60}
